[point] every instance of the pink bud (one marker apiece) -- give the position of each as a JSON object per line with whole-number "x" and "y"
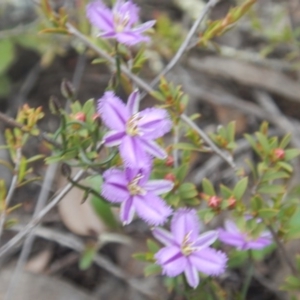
{"x": 279, "y": 153}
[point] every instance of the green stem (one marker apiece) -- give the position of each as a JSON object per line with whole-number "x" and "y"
{"x": 118, "y": 65}
{"x": 248, "y": 277}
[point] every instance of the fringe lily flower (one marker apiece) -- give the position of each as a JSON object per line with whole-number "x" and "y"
{"x": 187, "y": 251}
{"x": 119, "y": 22}
{"x": 132, "y": 189}
{"x": 233, "y": 236}
{"x": 131, "y": 130}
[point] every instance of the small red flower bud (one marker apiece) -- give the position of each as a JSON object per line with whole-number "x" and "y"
{"x": 231, "y": 202}
{"x": 171, "y": 177}
{"x": 279, "y": 153}
{"x": 170, "y": 161}
{"x": 214, "y": 202}
{"x": 95, "y": 117}
{"x": 80, "y": 116}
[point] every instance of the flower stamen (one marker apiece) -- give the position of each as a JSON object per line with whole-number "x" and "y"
{"x": 134, "y": 188}
{"x": 132, "y": 125}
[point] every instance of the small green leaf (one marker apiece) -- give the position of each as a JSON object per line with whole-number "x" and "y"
{"x": 292, "y": 283}
{"x": 263, "y": 142}
{"x": 7, "y": 54}
{"x": 140, "y": 256}
{"x": 186, "y": 146}
{"x": 240, "y": 188}
{"x": 272, "y": 189}
{"x": 285, "y": 166}
{"x": 237, "y": 258}
{"x": 273, "y": 175}
{"x": 268, "y": 213}
{"x": 152, "y": 246}
{"x": 225, "y": 191}
{"x": 152, "y": 269}
{"x": 291, "y": 153}
{"x": 87, "y": 257}
{"x": 187, "y": 190}
{"x": 208, "y": 187}
{"x": 181, "y": 172}
{"x": 285, "y": 141}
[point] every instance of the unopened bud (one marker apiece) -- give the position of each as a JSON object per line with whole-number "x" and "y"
{"x": 231, "y": 202}
{"x": 97, "y": 118}
{"x": 67, "y": 89}
{"x": 279, "y": 153}
{"x": 170, "y": 161}
{"x": 214, "y": 202}
{"x": 54, "y": 105}
{"x": 171, "y": 177}
{"x": 80, "y": 116}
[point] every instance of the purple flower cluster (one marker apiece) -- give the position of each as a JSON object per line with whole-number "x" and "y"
{"x": 134, "y": 133}
{"x": 118, "y": 23}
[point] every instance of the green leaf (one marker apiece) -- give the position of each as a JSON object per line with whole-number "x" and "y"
{"x": 100, "y": 206}
{"x": 140, "y": 256}
{"x": 240, "y": 188}
{"x": 268, "y": 213}
{"x": 89, "y": 109}
{"x": 181, "y": 172}
{"x": 7, "y": 54}
{"x": 273, "y": 175}
{"x": 5, "y": 85}
{"x": 152, "y": 246}
{"x": 187, "y": 190}
{"x": 263, "y": 142}
{"x": 285, "y": 141}
{"x": 285, "y": 166}
{"x": 87, "y": 257}
{"x": 291, "y": 153}
{"x": 152, "y": 269}
{"x": 256, "y": 203}
{"x": 231, "y": 131}
{"x": 272, "y": 189}
{"x": 208, "y": 187}
{"x": 225, "y": 191}
{"x": 186, "y": 146}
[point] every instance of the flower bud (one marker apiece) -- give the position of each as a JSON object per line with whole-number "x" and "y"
{"x": 67, "y": 89}
{"x": 214, "y": 202}
{"x": 66, "y": 170}
{"x": 170, "y": 161}
{"x": 97, "y": 118}
{"x": 231, "y": 202}
{"x": 170, "y": 176}
{"x": 279, "y": 153}
{"x": 54, "y": 105}
{"x": 80, "y": 116}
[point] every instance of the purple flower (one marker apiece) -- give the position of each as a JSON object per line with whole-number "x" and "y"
{"x": 187, "y": 251}
{"x": 132, "y": 189}
{"x": 133, "y": 131}
{"x": 119, "y": 22}
{"x": 233, "y": 236}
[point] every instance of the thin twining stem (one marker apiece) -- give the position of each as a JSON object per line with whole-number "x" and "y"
{"x": 36, "y": 220}
{"x": 12, "y": 188}
{"x": 142, "y": 84}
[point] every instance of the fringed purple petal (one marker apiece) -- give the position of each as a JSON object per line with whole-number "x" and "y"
{"x": 206, "y": 239}
{"x": 128, "y": 11}
{"x": 152, "y": 209}
{"x": 127, "y": 211}
{"x": 231, "y": 227}
{"x": 100, "y": 16}
{"x": 133, "y": 102}
{"x": 144, "y": 26}
{"x": 171, "y": 260}
{"x": 107, "y": 35}
{"x": 209, "y": 261}
{"x": 185, "y": 222}
{"x": 133, "y": 153}
{"x": 154, "y": 123}
{"x": 233, "y": 239}
{"x": 130, "y": 38}
{"x": 164, "y": 236}
{"x": 191, "y": 275}
{"x": 113, "y": 138}
{"x": 114, "y": 187}
{"x": 153, "y": 149}
{"x": 113, "y": 111}
{"x": 260, "y": 243}
{"x": 159, "y": 187}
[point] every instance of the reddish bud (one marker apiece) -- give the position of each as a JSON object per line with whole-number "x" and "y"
{"x": 279, "y": 153}
{"x": 80, "y": 116}
{"x": 214, "y": 202}
{"x": 231, "y": 202}
{"x": 170, "y": 176}
{"x": 170, "y": 161}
